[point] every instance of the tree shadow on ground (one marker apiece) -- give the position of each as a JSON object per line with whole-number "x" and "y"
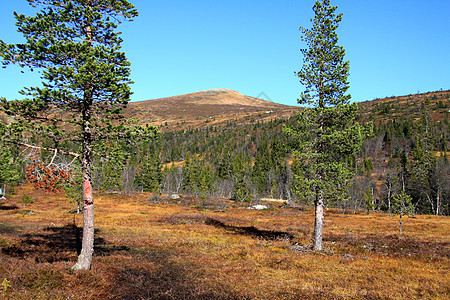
{"x": 250, "y": 231}
{"x": 53, "y": 244}
{"x": 8, "y": 207}
{"x": 156, "y": 274}
{"x": 9, "y": 229}
{"x": 393, "y": 245}
{"x": 147, "y": 272}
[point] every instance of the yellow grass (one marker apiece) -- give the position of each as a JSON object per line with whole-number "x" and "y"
{"x": 185, "y": 250}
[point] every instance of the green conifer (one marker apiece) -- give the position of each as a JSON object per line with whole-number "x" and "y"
{"x": 75, "y": 47}
{"x": 326, "y": 132}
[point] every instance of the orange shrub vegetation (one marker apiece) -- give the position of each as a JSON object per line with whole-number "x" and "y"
{"x": 148, "y": 249}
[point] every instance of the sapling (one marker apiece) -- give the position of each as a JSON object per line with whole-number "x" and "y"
{"x": 402, "y": 206}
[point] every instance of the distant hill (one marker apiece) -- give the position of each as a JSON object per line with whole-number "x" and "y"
{"x": 212, "y": 107}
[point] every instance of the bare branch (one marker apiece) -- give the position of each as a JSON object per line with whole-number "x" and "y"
{"x": 53, "y": 158}
{"x": 76, "y": 155}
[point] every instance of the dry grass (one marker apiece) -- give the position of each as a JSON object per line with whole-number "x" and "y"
{"x": 185, "y": 250}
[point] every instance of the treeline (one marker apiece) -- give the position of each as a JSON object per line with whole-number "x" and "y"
{"x": 251, "y": 161}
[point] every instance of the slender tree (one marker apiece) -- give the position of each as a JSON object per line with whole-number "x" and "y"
{"x": 402, "y": 206}
{"x": 149, "y": 174}
{"x": 9, "y": 166}
{"x": 77, "y": 50}
{"x": 326, "y": 133}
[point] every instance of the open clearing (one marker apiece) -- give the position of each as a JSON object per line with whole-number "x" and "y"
{"x": 189, "y": 249}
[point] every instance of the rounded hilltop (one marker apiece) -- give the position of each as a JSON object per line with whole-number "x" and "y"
{"x": 211, "y": 105}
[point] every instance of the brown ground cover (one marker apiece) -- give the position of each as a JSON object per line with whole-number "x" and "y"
{"x": 216, "y": 249}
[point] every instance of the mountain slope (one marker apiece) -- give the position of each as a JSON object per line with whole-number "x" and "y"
{"x": 206, "y": 107}
{"x": 219, "y": 106}
{"x": 434, "y": 104}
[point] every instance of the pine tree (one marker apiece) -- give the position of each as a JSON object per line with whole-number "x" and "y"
{"x": 326, "y": 133}
{"x": 262, "y": 166}
{"x": 150, "y": 173}
{"x": 368, "y": 199}
{"x": 9, "y": 167}
{"x": 109, "y": 170}
{"x": 75, "y": 47}
{"x": 224, "y": 165}
{"x": 241, "y": 189}
{"x": 189, "y": 175}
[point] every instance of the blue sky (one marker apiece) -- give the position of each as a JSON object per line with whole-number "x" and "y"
{"x": 175, "y": 46}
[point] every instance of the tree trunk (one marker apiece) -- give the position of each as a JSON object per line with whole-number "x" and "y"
{"x": 438, "y": 200}
{"x": 318, "y": 224}
{"x": 389, "y": 198}
{"x": 87, "y": 246}
{"x": 430, "y": 201}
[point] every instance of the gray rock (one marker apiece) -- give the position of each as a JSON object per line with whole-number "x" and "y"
{"x": 258, "y": 207}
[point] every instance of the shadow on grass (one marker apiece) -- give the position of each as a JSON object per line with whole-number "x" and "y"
{"x": 54, "y": 244}
{"x": 393, "y": 245}
{"x": 8, "y": 207}
{"x": 9, "y": 229}
{"x": 119, "y": 272}
{"x": 250, "y": 231}
{"x": 157, "y": 274}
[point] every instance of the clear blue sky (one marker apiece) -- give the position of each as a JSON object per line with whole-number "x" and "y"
{"x": 252, "y": 46}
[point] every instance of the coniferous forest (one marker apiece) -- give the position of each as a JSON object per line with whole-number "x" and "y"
{"x": 246, "y": 161}
{"x": 252, "y": 161}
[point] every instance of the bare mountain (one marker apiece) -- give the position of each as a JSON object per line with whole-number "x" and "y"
{"x": 212, "y": 106}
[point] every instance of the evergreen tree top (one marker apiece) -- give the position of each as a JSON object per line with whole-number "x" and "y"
{"x": 324, "y": 72}
{"x": 76, "y": 47}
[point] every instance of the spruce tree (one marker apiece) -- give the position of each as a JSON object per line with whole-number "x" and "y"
{"x": 326, "y": 133}
{"x": 9, "y": 166}
{"x": 76, "y": 49}
{"x": 149, "y": 172}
